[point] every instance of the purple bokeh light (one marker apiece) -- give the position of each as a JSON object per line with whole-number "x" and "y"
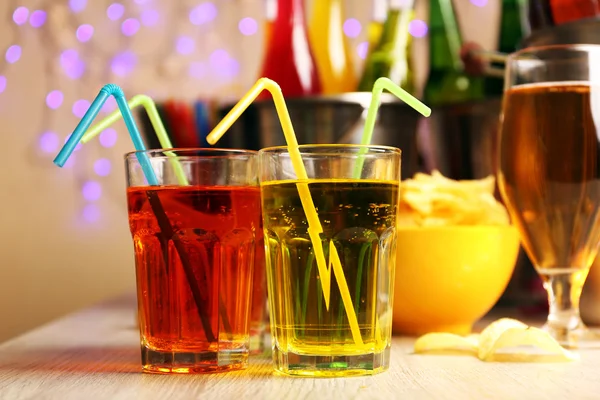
{"x": 91, "y": 213}
{"x": 54, "y": 99}
{"x": 80, "y": 107}
{"x": 418, "y": 28}
{"x": 2, "y": 83}
{"x": 479, "y": 3}
{"x": 123, "y": 63}
{"x": 70, "y": 62}
{"x": 110, "y": 105}
{"x": 102, "y": 167}
{"x": 198, "y": 70}
{"x": 108, "y": 137}
{"x": 223, "y": 64}
{"x": 352, "y": 27}
{"x": 37, "y": 18}
{"x": 91, "y": 190}
{"x": 13, "y": 54}
{"x": 150, "y": 17}
{"x": 115, "y": 11}
{"x": 49, "y": 142}
{"x": 185, "y": 45}
{"x": 20, "y": 15}
{"x": 203, "y": 13}
{"x": 77, "y": 5}
{"x": 362, "y": 49}
{"x": 141, "y": 1}
{"x": 130, "y": 26}
{"x": 248, "y": 26}
{"x": 84, "y": 32}
{"x": 77, "y": 146}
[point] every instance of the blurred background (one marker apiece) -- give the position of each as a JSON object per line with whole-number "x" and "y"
{"x": 64, "y": 237}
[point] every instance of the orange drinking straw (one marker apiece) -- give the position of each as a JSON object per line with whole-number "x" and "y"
{"x": 314, "y": 224}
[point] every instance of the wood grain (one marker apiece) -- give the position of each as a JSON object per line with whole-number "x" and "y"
{"x": 94, "y": 354}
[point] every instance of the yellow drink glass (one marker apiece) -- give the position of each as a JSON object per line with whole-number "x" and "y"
{"x": 331, "y": 316}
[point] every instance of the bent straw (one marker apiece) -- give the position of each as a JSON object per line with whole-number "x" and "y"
{"x": 380, "y": 84}
{"x": 157, "y": 124}
{"x": 161, "y": 216}
{"x": 314, "y": 224}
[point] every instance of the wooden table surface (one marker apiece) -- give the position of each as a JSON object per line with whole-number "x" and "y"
{"x": 94, "y": 354}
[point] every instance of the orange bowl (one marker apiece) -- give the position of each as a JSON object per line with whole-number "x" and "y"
{"x": 447, "y": 278}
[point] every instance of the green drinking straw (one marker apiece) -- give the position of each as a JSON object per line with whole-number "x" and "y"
{"x": 157, "y": 124}
{"x": 380, "y": 84}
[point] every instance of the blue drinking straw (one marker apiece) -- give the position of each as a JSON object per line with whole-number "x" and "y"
{"x": 88, "y": 118}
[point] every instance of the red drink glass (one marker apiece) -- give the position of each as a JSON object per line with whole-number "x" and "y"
{"x": 196, "y": 236}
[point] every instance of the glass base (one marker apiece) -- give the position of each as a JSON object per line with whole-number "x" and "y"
{"x": 330, "y": 366}
{"x": 579, "y": 338}
{"x": 157, "y": 362}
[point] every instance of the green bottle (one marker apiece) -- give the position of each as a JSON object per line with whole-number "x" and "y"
{"x": 513, "y": 27}
{"x": 447, "y": 82}
{"x": 391, "y": 57}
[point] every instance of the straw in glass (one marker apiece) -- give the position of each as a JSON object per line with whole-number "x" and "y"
{"x": 161, "y": 216}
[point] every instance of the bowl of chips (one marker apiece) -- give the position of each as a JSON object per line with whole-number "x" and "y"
{"x": 456, "y": 252}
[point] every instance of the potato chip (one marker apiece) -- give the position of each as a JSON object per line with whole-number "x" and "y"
{"x": 492, "y": 332}
{"x": 503, "y": 340}
{"x": 444, "y": 343}
{"x": 434, "y": 200}
{"x": 546, "y": 349}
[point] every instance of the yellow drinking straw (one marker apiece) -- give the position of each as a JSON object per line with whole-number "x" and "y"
{"x": 314, "y": 224}
{"x": 157, "y": 124}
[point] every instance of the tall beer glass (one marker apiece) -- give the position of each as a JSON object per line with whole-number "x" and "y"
{"x": 549, "y": 172}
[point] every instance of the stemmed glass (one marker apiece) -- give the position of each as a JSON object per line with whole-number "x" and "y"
{"x": 549, "y": 172}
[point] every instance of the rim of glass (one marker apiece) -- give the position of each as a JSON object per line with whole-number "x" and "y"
{"x": 538, "y": 49}
{"x": 377, "y": 149}
{"x": 192, "y": 152}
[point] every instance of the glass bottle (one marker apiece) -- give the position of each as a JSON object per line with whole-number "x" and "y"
{"x": 540, "y": 14}
{"x": 330, "y": 47}
{"x": 289, "y": 60}
{"x": 391, "y": 57}
{"x": 447, "y": 82}
{"x": 513, "y": 27}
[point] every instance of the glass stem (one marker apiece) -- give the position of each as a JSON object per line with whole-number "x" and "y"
{"x": 564, "y": 291}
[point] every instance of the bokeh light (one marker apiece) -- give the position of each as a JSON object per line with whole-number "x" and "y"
{"x": 185, "y": 45}
{"x": 54, "y": 99}
{"x": 203, "y": 13}
{"x": 71, "y": 64}
{"x": 77, "y": 5}
{"x": 352, "y": 27}
{"x": 418, "y": 28}
{"x": 84, "y": 32}
{"x": 362, "y": 49}
{"x": 80, "y": 107}
{"x": 479, "y": 3}
{"x": 108, "y": 137}
{"x": 102, "y": 167}
{"x": 37, "y": 18}
{"x": 91, "y": 213}
{"x": 130, "y": 26}
{"x": 198, "y": 70}
{"x": 2, "y": 83}
{"x": 49, "y": 142}
{"x": 115, "y": 11}
{"x": 91, "y": 190}
{"x": 110, "y": 105}
{"x": 123, "y": 63}
{"x": 20, "y": 15}
{"x": 248, "y": 26}
{"x": 13, "y": 54}
{"x": 150, "y": 17}
{"x": 223, "y": 64}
